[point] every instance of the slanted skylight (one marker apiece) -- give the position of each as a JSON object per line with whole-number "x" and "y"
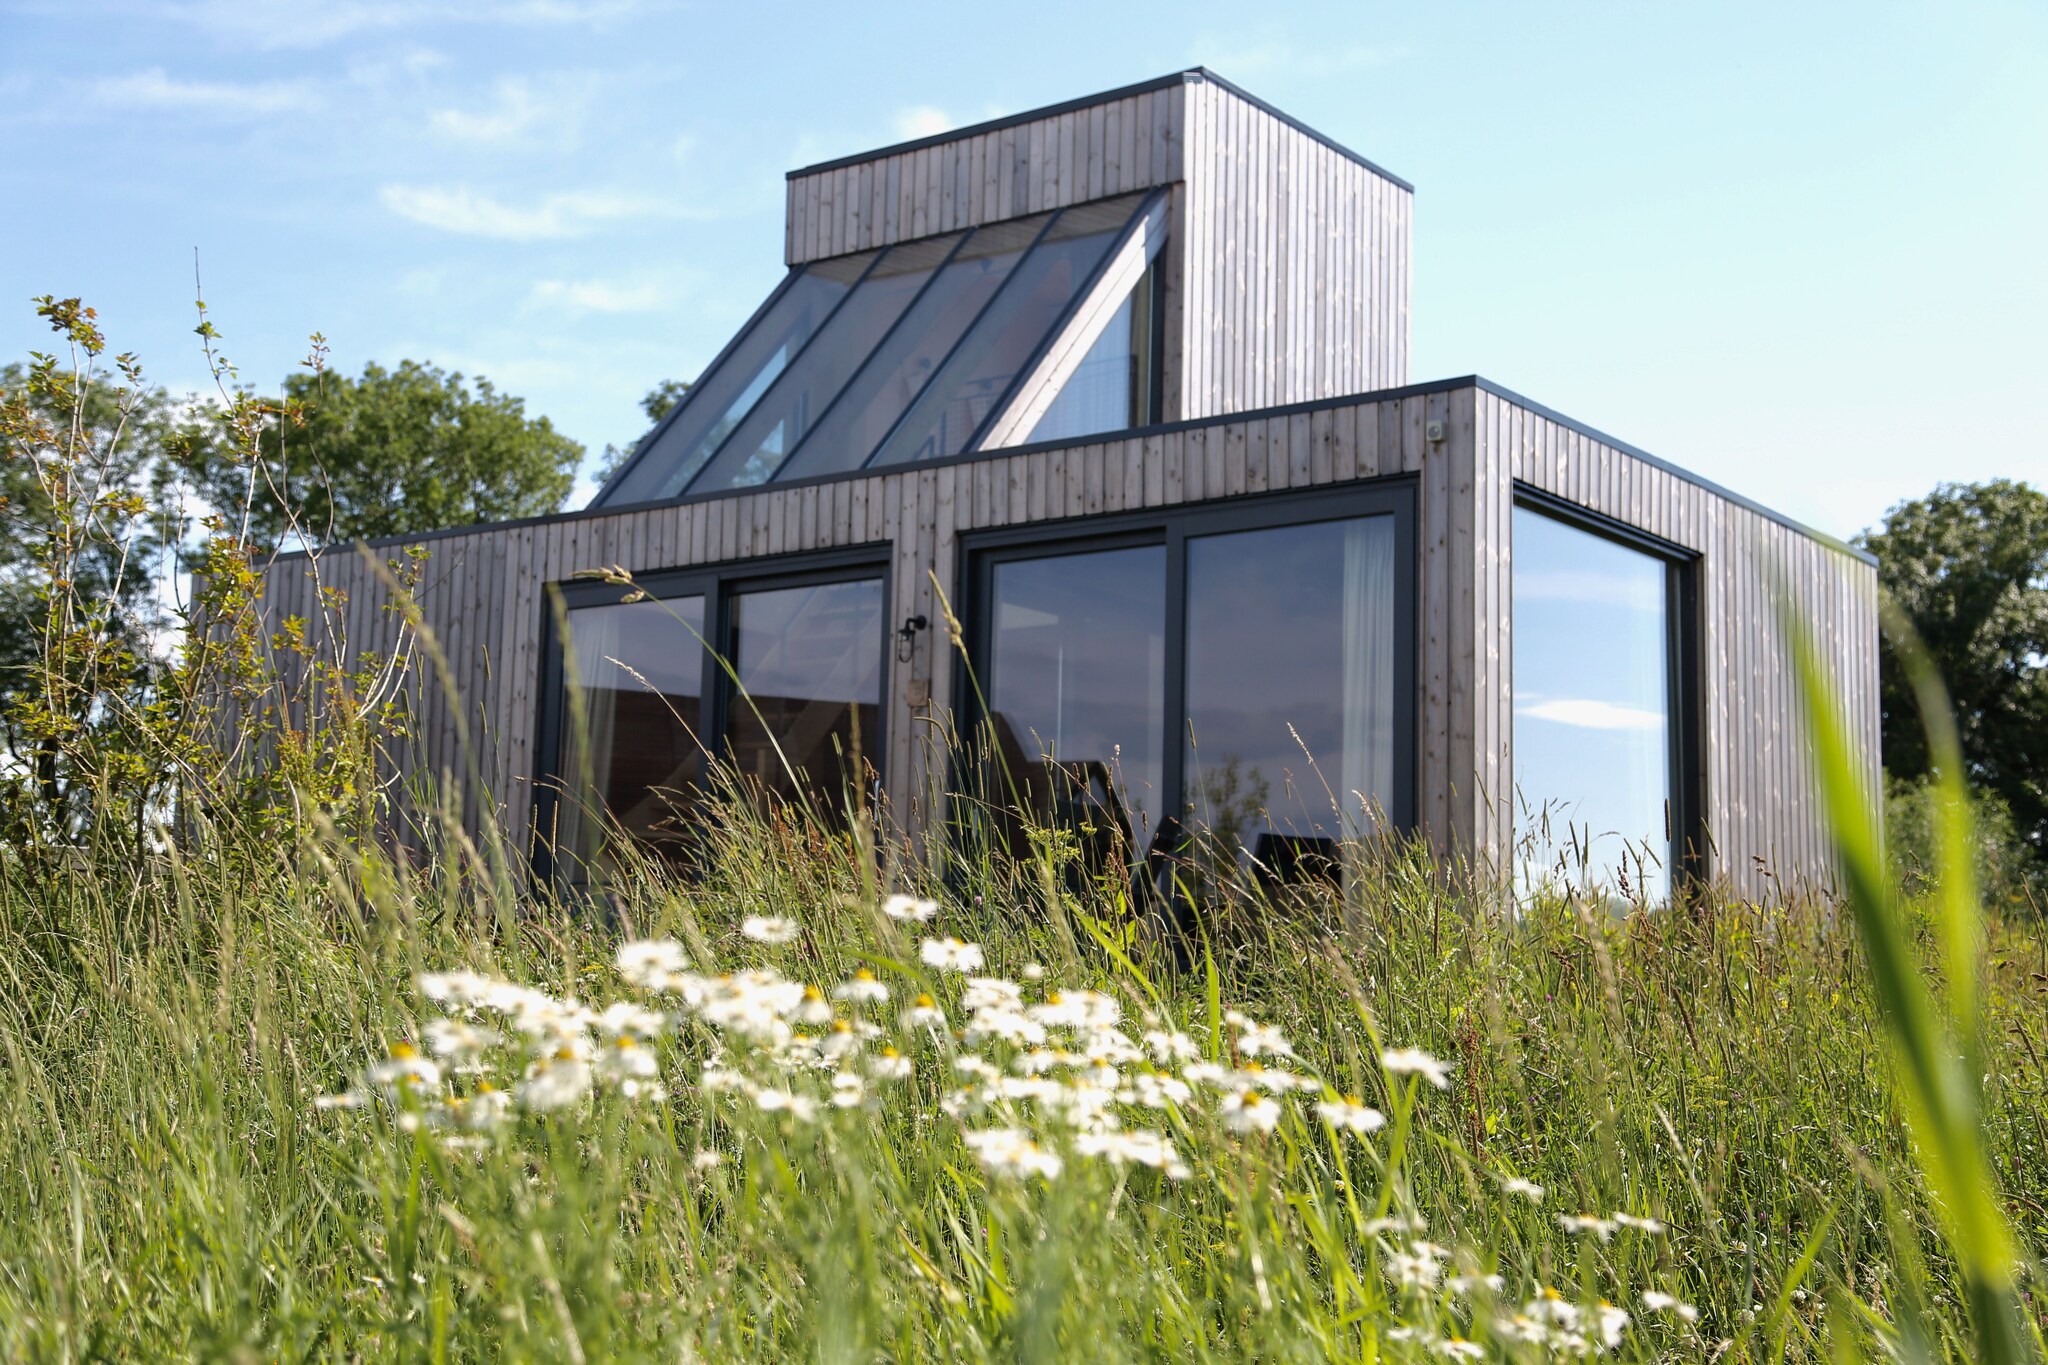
{"x": 919, "y": 351}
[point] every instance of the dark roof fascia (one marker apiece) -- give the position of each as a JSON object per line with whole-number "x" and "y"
{"x": 1434, "y": 386}
{"x": 1193, "y": 76}
{"x": 1725, "y": 494}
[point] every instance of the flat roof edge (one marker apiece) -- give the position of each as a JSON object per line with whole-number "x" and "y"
{"x": 1819, "y": 537}
{"x": 1191, "y": 76}
{"x": 1433, "y": 386}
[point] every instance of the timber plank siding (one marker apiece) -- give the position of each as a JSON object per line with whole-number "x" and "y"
{"x": 1763, "y": 827}
{"x": 1283, "y": 367}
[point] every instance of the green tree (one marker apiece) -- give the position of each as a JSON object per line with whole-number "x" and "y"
{"x": 657, "y": 404}
{"x": 394, "y": 452}
{"x": 1968, "y": 564}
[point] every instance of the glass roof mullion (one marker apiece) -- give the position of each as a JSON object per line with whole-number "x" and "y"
{"x": 1074, "y": 305}
{"x": 881, "y": 344}
{"x": 1016, "y": 272}
{"x": 795, "y": 356}
{"x": 674, "y": 414}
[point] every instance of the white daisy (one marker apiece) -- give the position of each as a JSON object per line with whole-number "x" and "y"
{"x": 770, "y": 929}
{"x": 1413, "y": 1061}
{"x": 910, "y": 908}
{"x": 951, "y": 955}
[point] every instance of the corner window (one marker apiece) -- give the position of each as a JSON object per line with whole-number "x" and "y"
{"x": 1599, "y": 719}
{"x": 643, "y": 714}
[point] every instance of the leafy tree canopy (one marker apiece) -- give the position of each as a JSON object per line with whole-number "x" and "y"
{"x": 657, "y": 404}
{"x": 394, "y": 452}
{"x": 76, "y": 458}
{"x": 1968, "y": 564}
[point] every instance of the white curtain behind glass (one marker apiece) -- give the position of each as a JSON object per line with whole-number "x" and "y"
{"x": 596, "y": 638}
{"x": 1368, "y": 625}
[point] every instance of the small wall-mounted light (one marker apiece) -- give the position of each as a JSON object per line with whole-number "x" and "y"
{"x": 906, "y": 638}
{"x": 1433, "y": 431}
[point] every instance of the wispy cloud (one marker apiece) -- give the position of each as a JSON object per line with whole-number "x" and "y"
{"x": 1586, "y": 713}
{"x": 922, "y": 120}
{"x": 1644, "y": 593}
{"x": 597, "y": 296}
{"x": 518, "y": 107}
{"x": 294, "y": 23}
{"x": 154, "y": 89}
{"x": 459, "y": 209}
{"x": 512, "y": 113}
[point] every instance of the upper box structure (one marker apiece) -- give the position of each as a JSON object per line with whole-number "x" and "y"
{"x": 1169, "y": 251}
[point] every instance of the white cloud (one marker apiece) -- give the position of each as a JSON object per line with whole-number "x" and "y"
{"x": 922, "y": 120}
{"x": 1638, "y": 592}
{"x": 459, "y": 209}
{"x": 515, "y": 110}
{"x": 1585, "y": 713}
{"x": 295, "y": 23}
{"x": 153, "y": 89}
{"x": 597, "y": 296}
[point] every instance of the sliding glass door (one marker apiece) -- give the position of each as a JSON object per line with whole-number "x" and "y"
{"x": 1243, "y": 672}
{"x": 773, "y": 684}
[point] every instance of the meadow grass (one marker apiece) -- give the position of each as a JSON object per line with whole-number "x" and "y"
{"x": 171, "y": 1187}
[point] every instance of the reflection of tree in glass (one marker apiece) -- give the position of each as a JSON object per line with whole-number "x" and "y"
{"x": 1229, "y": 803}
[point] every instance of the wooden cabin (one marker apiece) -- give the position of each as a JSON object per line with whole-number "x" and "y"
{"x": 1122, "y": 386}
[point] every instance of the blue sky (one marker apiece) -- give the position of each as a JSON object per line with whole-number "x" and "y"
{"x": 1795, "y": 248}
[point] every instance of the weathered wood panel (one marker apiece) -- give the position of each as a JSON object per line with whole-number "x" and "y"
{"x": 483, "y": 590}
{"x": 1065, "y": 158}
{"x": 1287, "y": 268}
{"x": 1764, "y": 828}
{"x": 1294, "y": 293}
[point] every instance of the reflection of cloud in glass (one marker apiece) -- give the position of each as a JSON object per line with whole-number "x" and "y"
{"x": 1590, "y": 714}
{"x": 1630, "y": 593}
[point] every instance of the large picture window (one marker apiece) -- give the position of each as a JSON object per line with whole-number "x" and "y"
{"x": 1600, "y": 691}
{"x": 770, "y": 681}
{"x": 1242, "y": 671}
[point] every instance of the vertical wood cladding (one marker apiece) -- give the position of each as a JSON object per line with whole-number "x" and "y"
{"x": 1764, "y": 826}
{"x": 481, "y": 597}
{"x": 1288, "y": 265}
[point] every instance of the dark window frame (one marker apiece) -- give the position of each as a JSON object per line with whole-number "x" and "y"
{"x": 1690, "y": 848}
{"x": 719, "y": 584}
{"x": 977, "y": 555}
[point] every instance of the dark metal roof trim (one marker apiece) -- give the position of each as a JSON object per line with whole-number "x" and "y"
{"x": 1434, "y": 386}
{"x": 1192, "y": 76}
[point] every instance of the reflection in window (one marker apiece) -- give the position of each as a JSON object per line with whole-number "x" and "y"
{"x": 981, "y": 371}
{"x": 1592, "y": 689}
{"x": 1076, "y": 687}
{"x": 845, "y": 437}
{"x": 1112, "y": 388}
{"x": 809, "y": 704}
{"x": 720, "y": 400}
{"x": 1290, "y": 689}
{"x": 780, "y": 420}
{"x": 640, "y": 666}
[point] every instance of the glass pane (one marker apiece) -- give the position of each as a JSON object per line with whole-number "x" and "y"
{"x": 1592, "y": 710}
{"x": 878, "y": 395}
{"x": 1097, "y": 397}
{"x": 1112, "y": 389}
{"x": 754, "y": 452}
{"x": 810, "y": 674}
{"x": 1008, "y": 336}
{"x": 1076, "y": 688}
{"x": 721, "y": 399}
{"x": 1290, "y": 689}
{"x": 640, "y": 666}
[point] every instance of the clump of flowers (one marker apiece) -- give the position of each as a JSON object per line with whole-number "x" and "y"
{"x": 1034, "y": 1079}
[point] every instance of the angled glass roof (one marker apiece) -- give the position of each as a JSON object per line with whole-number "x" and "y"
{"x": 885, "y": 357}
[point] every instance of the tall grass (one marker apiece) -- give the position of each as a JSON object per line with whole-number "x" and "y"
{"x": 168, "y": 1186}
